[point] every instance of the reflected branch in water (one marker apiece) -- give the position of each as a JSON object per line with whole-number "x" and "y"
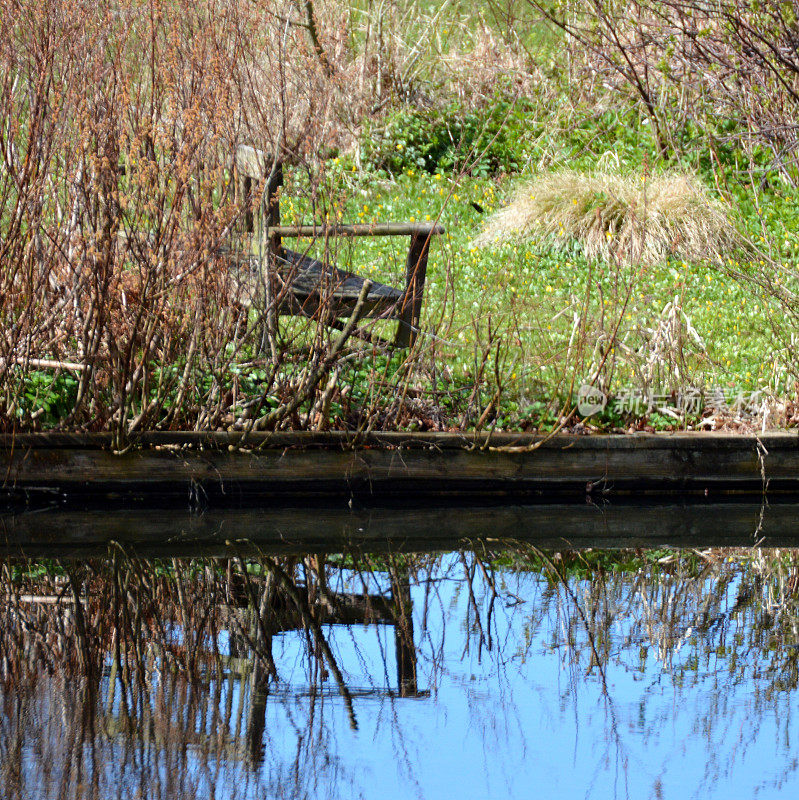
{"x": 180, "y": 675}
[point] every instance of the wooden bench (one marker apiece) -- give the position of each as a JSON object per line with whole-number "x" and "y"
{"x": 305, "y": 286}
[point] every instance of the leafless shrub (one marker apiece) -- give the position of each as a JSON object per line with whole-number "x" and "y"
{"x": 721, "y": 73}
{"x": 691, "y": 62}
{"x": 119, "y": 210}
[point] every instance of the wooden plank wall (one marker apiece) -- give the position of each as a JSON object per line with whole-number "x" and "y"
{"x": 398, "y": 467}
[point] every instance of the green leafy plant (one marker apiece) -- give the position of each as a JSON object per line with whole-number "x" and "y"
{"x": 485, "y": 142}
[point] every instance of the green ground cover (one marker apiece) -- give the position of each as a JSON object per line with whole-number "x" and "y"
{"x": 533, "y": 317}
{"x": 530, "y": 318}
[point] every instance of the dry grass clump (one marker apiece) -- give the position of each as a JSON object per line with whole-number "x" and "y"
{"x": 618, "y": 217}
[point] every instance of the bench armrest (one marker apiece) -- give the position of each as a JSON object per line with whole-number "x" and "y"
{"x": 378, "y": 229}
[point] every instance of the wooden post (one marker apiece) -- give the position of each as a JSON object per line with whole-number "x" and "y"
{"x": 415, "y": 273}
{"x": 272, "y": 217}
{"x": 404, "y": 646}
{"x": 252, "y": 164}
{"x": 256, "y": 721}
{"x": 262, "y": 664}
{"x": 246, "y": 203}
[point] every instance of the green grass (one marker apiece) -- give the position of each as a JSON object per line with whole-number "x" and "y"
{"x": 531, "y": 318}
{"x": 526, "y": 295}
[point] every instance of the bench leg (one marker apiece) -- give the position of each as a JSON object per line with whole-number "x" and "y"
{"x": 411, "y": 304}
{"x": 245, "y": 193}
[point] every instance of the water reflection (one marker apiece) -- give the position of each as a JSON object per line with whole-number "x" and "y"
{"x": 494, "y": 668}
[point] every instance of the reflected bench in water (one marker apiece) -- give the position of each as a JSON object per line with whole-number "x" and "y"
{"x": 220, "y": 658}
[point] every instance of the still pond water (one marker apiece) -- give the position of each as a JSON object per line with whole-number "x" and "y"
{"x": 493, "y": 669}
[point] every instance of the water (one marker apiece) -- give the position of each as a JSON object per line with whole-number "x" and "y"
{"x": 489, "y": 668}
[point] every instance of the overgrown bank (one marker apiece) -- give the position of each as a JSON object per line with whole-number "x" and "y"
{"x": 120, "y": 312}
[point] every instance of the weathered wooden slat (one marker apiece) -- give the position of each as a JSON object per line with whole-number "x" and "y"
{"x": 424, "y": 229}
{"x": 400, "y": 468}
{"x": 308, "y": 277}
{"x": 313, "y": 285}
{"x": 453, "y": 469}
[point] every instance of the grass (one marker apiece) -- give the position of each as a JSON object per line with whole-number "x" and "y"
{"x": 548, "y": 312}
{"x": 527, "y": 294}
{"x": 506, "y": 315}
{"x": 615, "y": 216}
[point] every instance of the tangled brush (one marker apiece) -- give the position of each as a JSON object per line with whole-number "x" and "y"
{"x": 621, "y": 217}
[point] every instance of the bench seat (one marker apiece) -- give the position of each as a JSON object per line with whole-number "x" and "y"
{"x": 306, "y": 284}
